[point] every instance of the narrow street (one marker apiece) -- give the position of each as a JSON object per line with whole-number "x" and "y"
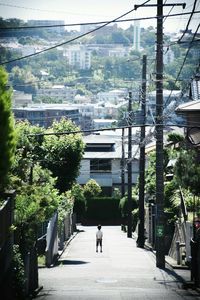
{"x": 121, "y": 271}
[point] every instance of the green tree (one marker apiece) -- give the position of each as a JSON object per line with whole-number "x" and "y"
{"x": 91, "y": 189}
{"x": 175, "y": 138}
{"x": 24, "y": 79}
{"x": 63, "y": 153}
{"x": 187, "y": 171}
{"x": 28, "y": 149}
{"x": 7, "y": 137}
{"x": 35, "y": 203}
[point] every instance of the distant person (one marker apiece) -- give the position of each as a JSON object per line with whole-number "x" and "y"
{"x": 99, "y": 236}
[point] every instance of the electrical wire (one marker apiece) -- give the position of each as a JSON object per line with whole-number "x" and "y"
{"x": 73, "y": 39}
{"x": 188, "y": 23}
{"x": 95, "y": 23}
{"x": 181, "y": 68}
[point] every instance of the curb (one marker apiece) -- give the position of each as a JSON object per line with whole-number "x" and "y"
{"x": 67, "y": 244}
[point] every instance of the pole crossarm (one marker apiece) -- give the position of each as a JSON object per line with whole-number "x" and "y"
{"x": 157, "y": 5}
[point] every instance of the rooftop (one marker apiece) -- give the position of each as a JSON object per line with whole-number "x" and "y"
{"x": 189, "y": 106}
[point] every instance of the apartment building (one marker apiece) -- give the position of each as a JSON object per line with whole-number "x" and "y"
{"x": 78, "y": 56}
{"x": 44, "y": 115}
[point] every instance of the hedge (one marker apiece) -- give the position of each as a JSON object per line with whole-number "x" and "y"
{"x": 103, "y": 208}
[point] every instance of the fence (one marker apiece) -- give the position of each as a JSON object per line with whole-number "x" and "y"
{"x": 6, "y": 236}
{"x": 52, "y": 240}
{"x": 56, "y": 236}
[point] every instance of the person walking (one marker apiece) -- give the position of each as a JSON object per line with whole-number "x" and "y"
{"x": 99, "y": 237}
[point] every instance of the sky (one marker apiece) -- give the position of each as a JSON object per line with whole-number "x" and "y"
{"x": 79, "y": 11}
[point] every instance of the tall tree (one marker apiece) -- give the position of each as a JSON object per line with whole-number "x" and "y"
{"x": 7, "y": 136}
{"x": 63, "y": 153}
{"x": 187, "y": 170}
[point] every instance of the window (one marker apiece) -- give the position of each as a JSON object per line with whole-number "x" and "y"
{"x": 100, "y": 165}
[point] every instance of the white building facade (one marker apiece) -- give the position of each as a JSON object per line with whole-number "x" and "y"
{"x": 78, "y": 56}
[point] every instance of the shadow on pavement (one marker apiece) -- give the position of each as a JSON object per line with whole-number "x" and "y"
{"x": 71, "y": 262}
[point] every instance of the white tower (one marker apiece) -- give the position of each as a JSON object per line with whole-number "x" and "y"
{"x": 136, "y": 35}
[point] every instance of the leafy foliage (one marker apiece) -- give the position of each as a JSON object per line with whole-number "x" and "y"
{"x": 187, "y": 171}
{"x": 175, "y": 138}
{"x": 35, "y": 203}
{"x": 79, "y": 200}
{"x": 66, "y": 203}
{"x": 91, "y": 189}
{"x": 123, "y": 204}
{"x": 63, "y": 154}
{"x": 17, "y": 274}
{"x": 7, "y": 137}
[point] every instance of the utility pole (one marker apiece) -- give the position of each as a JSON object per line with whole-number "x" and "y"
{"x": 129, "y": 221}
{"x": 160, "y": 254}
{"x": 160, "y": 218}
{"x": 123, "y": 167}
{"x": 160, "y": 247}
{"x": 141, "y": 237}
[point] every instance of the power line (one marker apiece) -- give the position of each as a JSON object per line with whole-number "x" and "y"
{"x": 95, "y": 23}
{"x": 105, "y": 129}
{"x": 181, "y": 68}
{"x": 188, "y": 23}
{"x": 73, "y": 39}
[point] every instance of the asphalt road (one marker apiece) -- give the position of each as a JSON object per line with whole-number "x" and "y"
{"x": 121, "y": 271}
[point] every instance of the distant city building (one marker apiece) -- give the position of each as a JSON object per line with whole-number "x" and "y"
{"x": 119, "y": 52}
{"x": 57, "y": 91}
{"x": 21, "y": 99}
{"x": 168, "y": 55}
{"x": 86, "y": 28}
{"x": 195, "y": 88}
{"x": 86, "y": 115}
{"x": 108, "y": 110}
{"x": 44, "y": 115}
{"x": 111, "y": 50}
{"x": 113, "y": 96}
{"x": 82, "y": 99}
{"x": 78, "y": 56}
{"x": 105, "y": 30}
{"x": 103, "y": 123}
{"x": 170, "y": 100}
{"x": 59, "y": 29}
{"x": 136, "y": 35}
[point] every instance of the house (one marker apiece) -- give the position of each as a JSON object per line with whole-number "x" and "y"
{"x": 191, "y": 113}
{"x": 102, "y": 161}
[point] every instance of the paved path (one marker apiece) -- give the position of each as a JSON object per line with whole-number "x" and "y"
{"x": 121, "y": 271}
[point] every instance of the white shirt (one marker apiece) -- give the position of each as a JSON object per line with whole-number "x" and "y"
{"x": 99, "y": 234}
